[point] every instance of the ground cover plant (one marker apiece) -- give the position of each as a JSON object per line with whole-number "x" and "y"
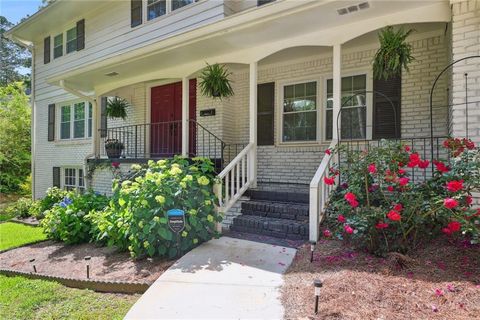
{"x": 379, "y": 208}
{"x": 13, "y": 235}
{"x": 23, "y": 298}
{"x": 136, "y": 218}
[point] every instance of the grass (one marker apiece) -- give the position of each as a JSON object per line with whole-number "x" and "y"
{"x": 15, "y": 234}
{"x": 22, "y": 298}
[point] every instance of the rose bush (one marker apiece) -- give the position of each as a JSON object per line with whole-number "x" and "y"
{"x": 66, "y": 220}
{"x": 378, "y": 206}
{"x": 136, "y": 218}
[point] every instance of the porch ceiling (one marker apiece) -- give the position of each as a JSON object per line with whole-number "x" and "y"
{"x": 238, "y": 40}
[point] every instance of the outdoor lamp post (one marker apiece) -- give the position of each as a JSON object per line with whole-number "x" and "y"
{"x": 34, "y": 267}
{"x": 312, "y": 248}
{"x": 317, "y": 284}
{"x": 87, "y": 259}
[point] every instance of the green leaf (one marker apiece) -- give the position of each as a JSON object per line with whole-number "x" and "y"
{"x": 165, "y": 234}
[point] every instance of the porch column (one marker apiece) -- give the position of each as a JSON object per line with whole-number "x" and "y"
{"x": 252, "y": 170}
{"x": 185, "y": 120}
{"x": 337, "y": 87}
{"x": 96, "y": 115}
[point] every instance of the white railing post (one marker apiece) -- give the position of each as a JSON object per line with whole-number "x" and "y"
{"x": 337, "y": 88}
{"x": 252, "y": 161}
{"x": 185, "y": 120}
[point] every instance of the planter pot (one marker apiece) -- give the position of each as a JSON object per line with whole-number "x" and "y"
{"x": 113, "y": 153}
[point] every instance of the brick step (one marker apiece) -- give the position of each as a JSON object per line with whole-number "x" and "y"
{"x": 282, "y": 196}
{"x": 279, "y": 228}
{"x": 273, "y": 209}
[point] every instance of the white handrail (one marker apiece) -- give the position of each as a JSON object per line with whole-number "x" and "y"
{"x": 320, "y": 192}
{"x": 235, "y": 179}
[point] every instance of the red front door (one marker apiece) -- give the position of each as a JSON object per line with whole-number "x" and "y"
{"x": 166, "y": 117}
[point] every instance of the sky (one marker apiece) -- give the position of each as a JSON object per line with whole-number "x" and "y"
{"x": 14, "y": 10}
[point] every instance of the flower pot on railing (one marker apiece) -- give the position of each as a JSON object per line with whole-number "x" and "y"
{"x": 114, "y": 148}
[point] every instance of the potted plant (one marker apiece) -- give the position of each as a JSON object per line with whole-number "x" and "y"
{"x": 114, "y": 148}
{"x": 394, "y": 53}
{"x": 214, "y": 81}
{"x": 117, "y": 108}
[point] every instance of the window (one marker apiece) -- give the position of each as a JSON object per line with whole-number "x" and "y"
{"x": 262, "y": 2}
{"x": 58, "y": 46}
{"x": 74, "y": 122}
{"x": 176, "y": 4}
{"x": 72, "y": 40}
{"x": 156, "y": 8}
{"x": 354, "y": 110}
{"x": 300, "y": 112}
{"x": 73, "y": 178}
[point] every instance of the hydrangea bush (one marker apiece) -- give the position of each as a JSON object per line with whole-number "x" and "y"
{"x": 378, "y": 207}
{"x": 66, "y": 220}
{"x": 136, "y": 218}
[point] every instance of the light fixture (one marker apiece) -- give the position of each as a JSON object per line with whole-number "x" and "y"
{"x": 32, "y": 261}
{"x": 312, "y": 249}
{"x": 87, "y": 259}
{"x": 317, "y": 284}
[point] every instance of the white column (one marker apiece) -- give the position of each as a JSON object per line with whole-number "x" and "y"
{"x": 96, "y": 115}
{"x": 337, "y": 87}
{"x": 185, "y": 115}
{"x": 253, "y": 123}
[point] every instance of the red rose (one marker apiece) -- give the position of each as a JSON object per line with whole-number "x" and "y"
{"x": 450, "y": 203}
{"x": 394, "y": 215}
{"x": 327, "y": 233}
{"x": 381, "y": 225}
{"x": 341, "y": 218}
{"x": 469, "y": 144}
{"x": 398, "y": 207}
{"x": 454, "y": 226}
{"x": 115, "y": 164}
{"x": 403, "y": 181}
{"x": 328, "y": 151}
{"x": 407, "y": 148}
{"x": 414, "y": 159}
{"x": 354, "y": 203}
{"x": 441, "y": 167}
{"x": 350, "y": 196}
{"x": 390, "y": 188}
{"x": 469, "y": 200}
{"x": 423, "y": 164}
{"x": 348, "y": 229}
{"x": 329, "y": 181}
{"x": 401, "y": 171}
{"x": 447, "y": 231}
{"x": 372, "y": 168}
{"x": 455, "y": 185}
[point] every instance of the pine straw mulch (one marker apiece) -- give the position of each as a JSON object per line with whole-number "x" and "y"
{"x": 440, "y": 281}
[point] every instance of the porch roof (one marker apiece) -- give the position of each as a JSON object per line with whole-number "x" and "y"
{"x": 248, "y": 37}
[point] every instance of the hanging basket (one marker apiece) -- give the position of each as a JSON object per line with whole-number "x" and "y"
{"x": 394, "y": 54}
{"x": 215, "y": 82}
{"x": 117, "y": 108}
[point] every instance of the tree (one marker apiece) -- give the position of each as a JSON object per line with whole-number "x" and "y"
{"x": 15, "y": 138}
{"x": 12, "y": 57}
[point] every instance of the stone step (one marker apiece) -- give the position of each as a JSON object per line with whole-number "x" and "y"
{"x": 273, "y": 209}
{"x": 282, "y": 196}
{"x": 279, "y": 228}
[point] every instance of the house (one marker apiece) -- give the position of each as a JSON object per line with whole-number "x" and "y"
{"x": 291, "y": 61}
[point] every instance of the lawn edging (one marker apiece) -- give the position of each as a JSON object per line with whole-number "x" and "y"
{"x": 95, "y": 285}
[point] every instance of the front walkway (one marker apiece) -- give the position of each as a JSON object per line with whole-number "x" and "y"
{"x": 224, "y": 278}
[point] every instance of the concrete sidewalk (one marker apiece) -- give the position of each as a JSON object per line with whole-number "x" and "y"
{"x": 224, "y": 278}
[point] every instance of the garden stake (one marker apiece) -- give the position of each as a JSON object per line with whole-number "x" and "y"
{"x": 34, "y": 268}
{"x": 87, "y": 258}
{"x": 318, "y": 284}
{"x": 312, "y": 248}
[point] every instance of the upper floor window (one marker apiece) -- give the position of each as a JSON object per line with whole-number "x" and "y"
{"x": 72, "y": 40}
{"x": 155, "y": 9}
{"x": 58, "y": 46}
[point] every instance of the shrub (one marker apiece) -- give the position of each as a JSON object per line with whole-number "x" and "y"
{"x": 21, "y": 208}
{"x": 136, "y": 218}
{"x": 66, "y": 222}
{"x": 379, "y": 208}
{"x": 53, "y": 196}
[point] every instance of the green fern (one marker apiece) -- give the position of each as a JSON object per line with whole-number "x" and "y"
{"x": 215, "y": 82}
{"x": 394, "y": 53}
{"x": 117, "y": 108}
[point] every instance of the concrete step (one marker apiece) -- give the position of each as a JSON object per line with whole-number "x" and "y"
{"x": 280, "y": 228}
{"x": 274, "y": 209}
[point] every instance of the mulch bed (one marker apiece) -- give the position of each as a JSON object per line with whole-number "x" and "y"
{"x": 106, "y": 264}
{"x": 442, "y": 281}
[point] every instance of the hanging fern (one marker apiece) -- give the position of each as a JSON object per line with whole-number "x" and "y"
{"x": 117, "y": 108}
{"x": 394, "y": 53}
{"x": 214, "y": 81}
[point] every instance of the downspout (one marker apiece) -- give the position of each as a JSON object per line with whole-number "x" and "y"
{"x": 93, "y": 101}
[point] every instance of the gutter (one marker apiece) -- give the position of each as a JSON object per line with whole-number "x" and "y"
{"x": 93, "y": 101}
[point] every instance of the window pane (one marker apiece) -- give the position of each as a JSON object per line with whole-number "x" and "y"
{"x": 156, "y": 8}
{"x": 300, "y": 115}
{"x": 354, "y": 122}
{"x": 58, "y": 46}
{"x": 65, "y": 131}
{"x": 330, "y": 86}
{"x": 359, "y": 82}
{"x": 180, "y": 3}
{"x": 79, "y": 111}
{"x": 72, "y": 40}
{"x": 70, "y": 178}
{"x": 300, "y": 126}
{"x": 65, "y": 122}
{"x": 299, "y": 90}
{"x": 288, "y": 91}
{"x": 79, "y": 120}
{"x": 311, "y": 89}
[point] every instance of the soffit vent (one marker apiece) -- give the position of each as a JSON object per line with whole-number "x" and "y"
{"x": 111, "y": 74}
{"x": 353, "y": 9}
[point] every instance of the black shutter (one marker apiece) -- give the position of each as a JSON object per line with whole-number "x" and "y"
{"x": 265, "y": 115}
{"x": 103, "y": 117}
{"x": 136, "y": 13}
{"x": 387, "y": 120}
{"x": 81, "y": 34}
{"x": 46, "y": 50}
{"x": 56, "y": 177}
{"x": 51, "y": 122}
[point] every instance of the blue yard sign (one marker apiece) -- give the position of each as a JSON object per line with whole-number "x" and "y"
{"x": 176, "y": 220}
